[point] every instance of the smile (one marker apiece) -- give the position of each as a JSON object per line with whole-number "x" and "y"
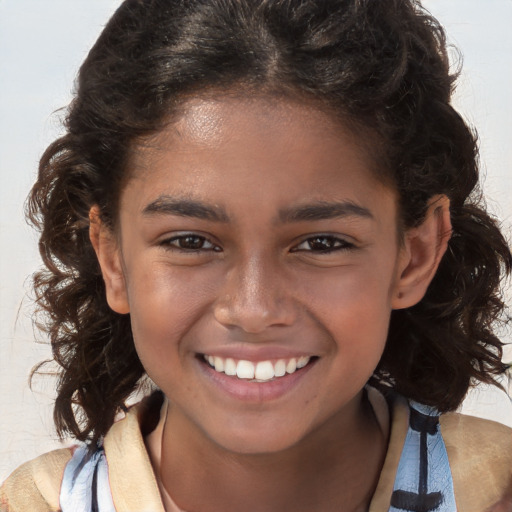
{"x": 262, "y": 371}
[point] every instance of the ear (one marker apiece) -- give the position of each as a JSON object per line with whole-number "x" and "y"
{"x": 108, "y": 253}
{"x": 424, "y": 246}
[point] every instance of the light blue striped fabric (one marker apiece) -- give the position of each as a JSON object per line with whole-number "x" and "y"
{"x": 85, "y": 486}
{"x": 437, "y": 494}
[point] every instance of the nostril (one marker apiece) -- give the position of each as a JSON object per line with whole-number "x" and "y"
{"x": 254, "y": 318}
{"x": 253, "y": 296}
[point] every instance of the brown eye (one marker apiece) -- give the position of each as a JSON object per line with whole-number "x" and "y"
{"x": 190, "y": 242}
{"x": 323, "y": 244}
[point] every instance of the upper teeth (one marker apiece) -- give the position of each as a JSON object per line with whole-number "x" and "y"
{"x": 262, "y": 371}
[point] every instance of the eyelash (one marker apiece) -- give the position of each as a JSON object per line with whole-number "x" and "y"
{"x": 334, "y": 244}
{"x": 175, "y": 243}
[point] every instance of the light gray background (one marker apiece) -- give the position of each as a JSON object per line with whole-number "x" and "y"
{"x": 42, "y": 43}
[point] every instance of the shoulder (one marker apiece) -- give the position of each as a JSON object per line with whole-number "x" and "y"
{"x": 480, "y": 455}
{"x": 471, "y": 435}
{"x": 35, "y": 485}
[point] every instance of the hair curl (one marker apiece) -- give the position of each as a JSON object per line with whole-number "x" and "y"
{"x": 381, "y": 64}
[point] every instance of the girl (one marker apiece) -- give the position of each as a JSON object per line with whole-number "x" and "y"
{"x": 269, "y": 209}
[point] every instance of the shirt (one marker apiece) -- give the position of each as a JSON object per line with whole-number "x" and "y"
{"x": 442, "y": 463}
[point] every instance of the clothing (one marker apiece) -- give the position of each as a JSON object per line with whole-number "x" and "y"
{"x": 447, "y": 460}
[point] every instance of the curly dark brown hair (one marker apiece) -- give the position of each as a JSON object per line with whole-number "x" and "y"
{"x": 381, "y": 65}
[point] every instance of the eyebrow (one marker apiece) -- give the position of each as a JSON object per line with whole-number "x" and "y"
{"x": 185, "y": 208}
{"x": 323, "y": 210}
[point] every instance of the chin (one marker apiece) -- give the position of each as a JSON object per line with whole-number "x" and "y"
{"x": 256, "y": 441}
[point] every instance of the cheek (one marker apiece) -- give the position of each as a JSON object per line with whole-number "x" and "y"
{"x": 364, "y": 289}
{"x": 355, "y": 308}
{"x": 164, "y": 305}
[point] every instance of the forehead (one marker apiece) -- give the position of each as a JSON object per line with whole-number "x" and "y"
{"x": 208, "y": 122}
{"x": 259, "y": 147}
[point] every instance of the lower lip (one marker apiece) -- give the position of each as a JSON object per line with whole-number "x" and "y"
{"x": 255, "y": 391}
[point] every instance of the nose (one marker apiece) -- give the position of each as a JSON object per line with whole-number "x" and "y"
{"x": 254, "y": 297}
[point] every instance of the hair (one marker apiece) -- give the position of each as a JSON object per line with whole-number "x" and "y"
{"x": 381, "y": 65}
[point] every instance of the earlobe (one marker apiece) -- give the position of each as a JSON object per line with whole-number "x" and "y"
{"x": 108, "y": 253}
{"x": 424, "y": 247}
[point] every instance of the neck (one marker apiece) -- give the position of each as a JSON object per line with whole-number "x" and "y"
{"x": 334, "y": 468}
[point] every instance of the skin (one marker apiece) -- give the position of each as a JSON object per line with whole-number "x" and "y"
{"x": 257, "y": 278}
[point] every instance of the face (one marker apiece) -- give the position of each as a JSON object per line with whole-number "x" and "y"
{"x": 259, "y": 260}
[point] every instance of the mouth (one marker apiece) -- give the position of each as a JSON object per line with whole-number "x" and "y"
{"x": 259, "y": 372}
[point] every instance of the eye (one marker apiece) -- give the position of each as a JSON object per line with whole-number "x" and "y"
{"x": 323, "y": 244}
{"x": 190, "y": 242}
